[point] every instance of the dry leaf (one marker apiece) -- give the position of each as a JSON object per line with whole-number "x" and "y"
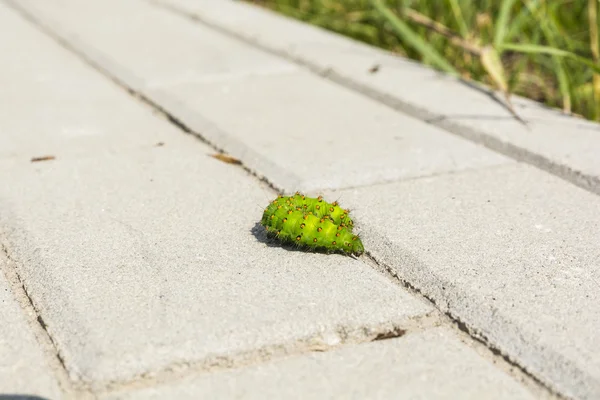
{"x": 490, "y": 59}
{"x": 226, "y": 159}
{"x": 493, "y": 66}
{"x": 42, "y": 158}
{"x": 374, "y": 68}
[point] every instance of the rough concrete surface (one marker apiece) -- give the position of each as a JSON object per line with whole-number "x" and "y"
{"x": 329, "y": 136}
{"x": 49, "y": 97}
{"x": 149, "y": 259}
{"x": 511, "y": 251}
{"x": 326, "y": 135}
{"x": 559, "y": 143}
{"x": 24, "y": 370}
{"x": 428, "y": 365}
{"x": 160, "y": 48}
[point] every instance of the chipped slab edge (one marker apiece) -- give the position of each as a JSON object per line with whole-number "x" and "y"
{"x": 276, "y": 353}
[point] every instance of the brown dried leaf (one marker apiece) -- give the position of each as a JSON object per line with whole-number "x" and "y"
{"x": 42, "y": 158}
{"x": 374, "y": 68}
{"x": 225, "y": 158}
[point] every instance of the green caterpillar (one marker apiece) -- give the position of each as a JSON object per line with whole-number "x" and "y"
{"x": 311, "y": 223}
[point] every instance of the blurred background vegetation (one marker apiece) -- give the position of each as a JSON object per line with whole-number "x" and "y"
{"x": 546, "y": 50}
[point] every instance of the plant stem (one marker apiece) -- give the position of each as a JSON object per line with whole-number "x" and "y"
{"x": 412, "y": 39}
{"x": 593, "y": 20}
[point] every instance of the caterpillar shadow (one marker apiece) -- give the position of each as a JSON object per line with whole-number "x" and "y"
{"x": 260, "y": 233}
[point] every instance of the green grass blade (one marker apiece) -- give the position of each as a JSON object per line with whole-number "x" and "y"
{"x": 520, "y": 22}
{"x": 595, "y": 48}
{"x": 458, "y": 16}
{"x": 413, "y": 39}
{"x": 502, "y": 22}
{"x": 559, "y": 66}
{"x": 563, "y": 84}
{"x": 550, "y": 40}
{"x": 537, "y": 49}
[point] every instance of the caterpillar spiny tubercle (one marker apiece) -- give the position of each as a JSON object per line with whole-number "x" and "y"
{"x": 311, "y": 223}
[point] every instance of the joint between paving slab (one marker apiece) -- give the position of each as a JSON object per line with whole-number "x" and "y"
{"x": 506, "y": 363}
{"x": 577, "y": 178}
{"x": 475, "y": 338}
{"x": 418, "y": 177}
{"x": 325, "y": 341}
{"x": 39, "y": 328}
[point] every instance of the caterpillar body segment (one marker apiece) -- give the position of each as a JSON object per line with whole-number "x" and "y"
{"x": 311, "y": 223}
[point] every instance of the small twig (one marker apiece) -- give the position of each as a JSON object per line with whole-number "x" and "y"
{"x": 511, "y": 109}
{"x": 595, "y": 48}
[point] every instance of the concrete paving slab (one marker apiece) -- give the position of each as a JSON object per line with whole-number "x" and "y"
{"x": 24, "y": 370}
{"x": 511, "y": 251}
{"x": 161, "y": 48}
{"x": 433, "y": 364}
{"x": 327, "y": 135}
{"x": 558, "y": 143}
{"x": 49, "y": 96}
{"x": 323, "y": 135}
{"x": 150, "y": 260}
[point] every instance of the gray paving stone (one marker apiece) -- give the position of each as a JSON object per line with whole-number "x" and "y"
{"x": 329, "y": 136}
{"x": 564, "y": 145}
{"x": 160, "y": 48}
{"x": 511, "y": 251}
{"x": 24, "y": 370}
{"x": 429, "y": 365}
{"x": 147, "y": 260}
{"x": 321, "y": 134}
{"x": 49, "y": 96}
